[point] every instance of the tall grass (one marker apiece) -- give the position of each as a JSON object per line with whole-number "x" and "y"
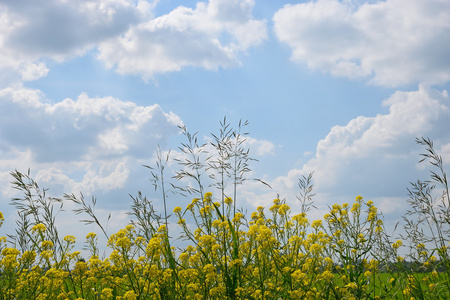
{"x": 268, "y": 254}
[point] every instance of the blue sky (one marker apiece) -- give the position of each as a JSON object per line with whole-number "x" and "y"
{"x": 341, "y": 88}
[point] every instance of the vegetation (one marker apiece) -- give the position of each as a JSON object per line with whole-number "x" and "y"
{"x": 268, "y": 254}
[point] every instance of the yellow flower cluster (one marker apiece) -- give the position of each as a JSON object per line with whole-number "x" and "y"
{"x": 230, "y": 257}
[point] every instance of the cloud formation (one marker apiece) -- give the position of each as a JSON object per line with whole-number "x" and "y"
{"x": 392, "y": 43}
{"x": 32, "y": 30}
{"x": 209, "y": 36}
{"x": 126, "y": 35}
{"x": 377, "y": 156}
{"x": 95, "y": 137}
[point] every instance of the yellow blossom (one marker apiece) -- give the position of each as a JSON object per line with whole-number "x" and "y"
{"x": 39, "y": 228}
{"x": 91, "y": 235}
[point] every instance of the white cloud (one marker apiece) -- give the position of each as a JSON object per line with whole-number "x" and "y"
{"x": 393, "y": 42}
{"x": 209, "y": 36}
{"x": 126, "y": 34}
{"x": 33, "y": 30}
{"x": 373, "y": 144}
{"x": 260, "y": 147}
{"x": 84, "y": 144}
{"x": 376, "y": 156}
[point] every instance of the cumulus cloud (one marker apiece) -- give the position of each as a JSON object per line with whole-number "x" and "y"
{"x": 260, "y": 147}
{"x": 96, "y": 138}
{"x": 126, "y": 34}
{"x": 209, "y": 36}
{"x": 376, "y": 156}
{"x": 392, "y": 43}
{"x": 33, "y": 30}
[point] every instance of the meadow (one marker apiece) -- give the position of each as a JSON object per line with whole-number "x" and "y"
{"x": 271, "y": 253}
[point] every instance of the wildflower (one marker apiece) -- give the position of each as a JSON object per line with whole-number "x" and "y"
{"x": 351, "y": 285}
{"x": 397, "y": 244}
{"x": 207, "y": 197}
{"x": 47, "y": 254}
{"x": 70, "y": 239}
{"x": 228, "y": 200}
{"x": 327, "y": 275}
{"x": 283, "y": 209}
{"x": 46, "y": 244}
{"x": 406, "y": 291}
{"x": 177, "y": 210}
{"x": 91, "y": 235}
{"x": 162, "y": 228}
{"x": 184, "y": 256}
{"x": 130, "y": 295}
{"x": 361, "y": 238}
{"x": 123, "y": 242}
{"x": 315, "y": 248}
{"x": 29, "y": 256}
{"x": 237, "y": 217}
{"x": 107, "y": 293}
{"x": 274, "y": 208}
{"x": 355, "y": 208}
{"x": 39, "y": 228}
{"x": 316, "y": 224}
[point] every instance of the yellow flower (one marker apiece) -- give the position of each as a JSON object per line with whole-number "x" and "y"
{"x": 69, "y": 239}
{"x": 130, "y": 295}
{"x": 237, "y": 217}
{"x": 107, "y": 293}
{"x": 184, "y": 256}
{"x": 177, "y": 210}
{"x": 228, "y": 200}
{"x": 352, "y": 285}
{"x": 91, "y": 235}
{"x": 355, "y": 207}
{"x": 207, "y": 197}
{"x": 283, "y": 209}
{"x": 39, "y": 228}
{"x": 315, "y": 248}
{"x": 129, "y": 227}
{"x": 47, "y": 254}
{"x": 46, "y": 244}
{"x": 397, "y": 244}
{"x": 316, "y": 224}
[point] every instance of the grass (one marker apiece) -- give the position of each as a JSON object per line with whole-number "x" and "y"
{"x": 270, "y": 253}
